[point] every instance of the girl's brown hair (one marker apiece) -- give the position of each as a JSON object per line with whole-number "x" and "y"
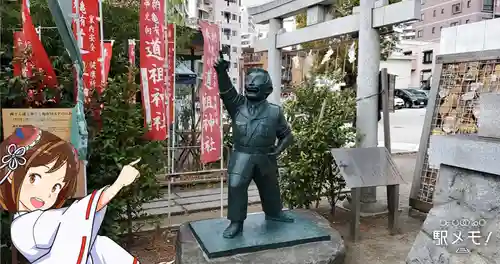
{"x": 42, "y": 148}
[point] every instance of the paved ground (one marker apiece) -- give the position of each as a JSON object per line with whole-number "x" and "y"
{"x": 406, "y": 129}
{"x": 198, "y": 202}
{"x": 376, "y": 245}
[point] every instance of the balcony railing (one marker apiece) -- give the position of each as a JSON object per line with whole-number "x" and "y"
{"x": 487, "y": 8}
{"x": 252, "y": 58}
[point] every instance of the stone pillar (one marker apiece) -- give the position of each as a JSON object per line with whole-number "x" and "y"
{"x": 367, "y": 85}
{"x": 274, "y": 60}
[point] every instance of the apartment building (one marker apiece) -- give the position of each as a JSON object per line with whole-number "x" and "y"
{"x": 406, "y": 31}
{"x": 227, "y": 13}
{"x": 439, "y": 14}
{"x": 248, "y": 28}
{"x": 294, "y": 67}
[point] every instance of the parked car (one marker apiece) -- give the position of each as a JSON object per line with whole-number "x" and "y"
{"x": 412, "y": 97}
{"x": 420, "y": 93}
{"x": 426, "y": 92}
{"x": 398, "y": 103}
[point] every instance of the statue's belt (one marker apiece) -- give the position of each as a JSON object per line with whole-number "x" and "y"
{"x": 255, "y": 150}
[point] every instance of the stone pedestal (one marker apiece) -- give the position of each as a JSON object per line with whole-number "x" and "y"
{"x": 462, "y": 227}
{"x": 310, "y": 239}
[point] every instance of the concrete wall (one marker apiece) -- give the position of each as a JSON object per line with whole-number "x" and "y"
{"x": 484, "y": 35}
{"x": 401, "y": 67}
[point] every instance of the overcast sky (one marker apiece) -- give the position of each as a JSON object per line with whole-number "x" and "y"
{"x": 253, "y": 2}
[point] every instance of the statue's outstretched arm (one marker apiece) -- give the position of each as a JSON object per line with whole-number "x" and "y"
{"x": 230, "y": 97}
{"x": 283, "y": 133}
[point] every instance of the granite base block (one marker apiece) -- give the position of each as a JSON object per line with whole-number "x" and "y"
{"x": 462, "y": 227}
{"x": 309, "y": 240}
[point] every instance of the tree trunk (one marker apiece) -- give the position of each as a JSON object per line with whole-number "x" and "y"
{"x": 130, "y": 232}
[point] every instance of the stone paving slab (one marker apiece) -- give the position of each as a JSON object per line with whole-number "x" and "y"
{"x": 158, "y": 204}
{"x": 183, "y": 194}
{"x": 193, "y": 201}
{"x": 205, "y": 198}
{"x": 175, "y": 210}
{"x": 196, "y": 207}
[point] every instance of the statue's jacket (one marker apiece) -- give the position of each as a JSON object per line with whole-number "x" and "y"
{"x": 256, "y": 126}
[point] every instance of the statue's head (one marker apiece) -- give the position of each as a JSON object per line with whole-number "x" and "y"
{"x": 258, "y": 85}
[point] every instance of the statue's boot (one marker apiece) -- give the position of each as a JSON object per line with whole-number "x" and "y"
{"x": 234, "y": 229}
{"x": 281, "y": 217}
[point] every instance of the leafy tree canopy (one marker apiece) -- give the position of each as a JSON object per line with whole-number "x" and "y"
{"x": 121, "y": 22}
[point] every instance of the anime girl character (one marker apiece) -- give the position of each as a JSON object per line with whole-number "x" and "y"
{"x": 38, "y": 172}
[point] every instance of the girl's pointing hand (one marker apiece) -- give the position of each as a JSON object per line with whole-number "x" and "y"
{"x": 128, "y": 174}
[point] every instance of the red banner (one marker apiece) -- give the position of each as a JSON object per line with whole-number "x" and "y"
{"x": 170, "y": 72}
{"x": 89, "y": 25}
{"x": 39, "y": 57}
{"x": 108, "y": 52}
{"x": 23, "y": 66}
{"x": 209, "y": 95}
{"x": 131, "y": 52}
{"x": 152, "y": 60}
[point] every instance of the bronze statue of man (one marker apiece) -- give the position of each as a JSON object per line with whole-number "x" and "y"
{"x": 256, "y": 126}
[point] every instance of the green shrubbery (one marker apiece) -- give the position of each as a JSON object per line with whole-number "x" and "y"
{"x": 118, "y": 138}
{"x": 318, "y": 117}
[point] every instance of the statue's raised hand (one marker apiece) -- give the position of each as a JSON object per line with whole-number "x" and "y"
{"x": 221, "y": 65}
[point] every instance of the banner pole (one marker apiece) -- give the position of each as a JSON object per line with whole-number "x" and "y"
{"x": 221, "y": 120}
{"x": 174, "y": 123}
{"x": 101, "y": 28}
{"x": 167, "y": 96}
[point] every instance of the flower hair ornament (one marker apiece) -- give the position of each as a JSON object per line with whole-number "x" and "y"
{"x": 14, "y": 158}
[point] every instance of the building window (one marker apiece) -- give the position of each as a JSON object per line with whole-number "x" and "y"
{"x": 453, "y": 24}
{"x": 427, "y": 59}
{"x": 468, "y": 4}
{"x": 433, "y": 30}
{"x": 234, "y": 32}
{"x": 235, "y": 65}
{"x": 235, "y": 49}
{"x": 488, "y": 5}
{"x": 420, "y": 33}
{"x": 442, "y": 10}
{"x": 456, "y": 8}
{"x": 407, "y": 53}
{"x": 467, "y": 21}
{"x": 425, "y": 78}
{"x": 234, "y": 17}
{"x": 239, "y": 19}
{"x": 434, "y": 13}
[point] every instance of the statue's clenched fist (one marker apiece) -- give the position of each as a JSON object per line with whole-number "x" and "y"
{"x": 221, "y": 65}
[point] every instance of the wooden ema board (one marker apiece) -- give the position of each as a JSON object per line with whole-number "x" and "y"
{"x": 460, "y": 80}
{"x": 53, "y": 120}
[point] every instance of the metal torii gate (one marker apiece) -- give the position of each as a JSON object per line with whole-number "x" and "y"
{"x": 365, "y": 20}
